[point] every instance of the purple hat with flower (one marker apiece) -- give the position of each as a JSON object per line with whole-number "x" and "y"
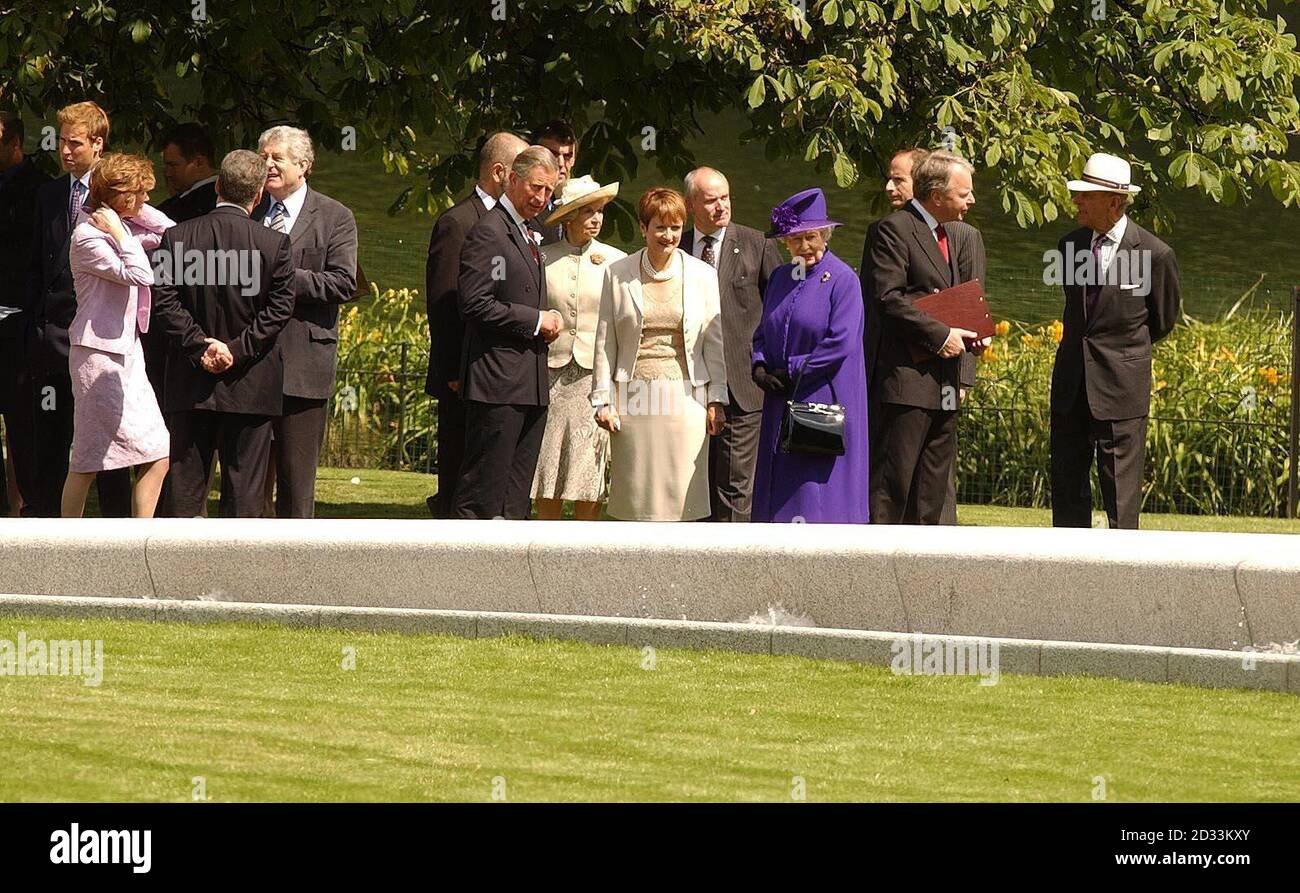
{"x": 799, "y": 213}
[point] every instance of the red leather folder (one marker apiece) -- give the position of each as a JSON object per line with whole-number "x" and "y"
{"x": 960, "y": 307}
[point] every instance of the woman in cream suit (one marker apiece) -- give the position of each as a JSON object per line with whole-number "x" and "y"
{"x": 574, "y": 452}
{"x": 115, "y": 419}
{"x": 659, "y": 382}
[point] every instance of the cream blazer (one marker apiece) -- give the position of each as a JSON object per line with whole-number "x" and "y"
{"x": 573, "y": 283}
{"x": 618, "y": 328}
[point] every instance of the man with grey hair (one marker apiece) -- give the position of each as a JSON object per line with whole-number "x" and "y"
{"x": 446, "y": 330}
{"x": 744, "y": 260}
{"x": 224, "y": 378}
{"x": 911, "y": 256}
{"x": 323, "y": 234}
{"x": 504, "y": 379}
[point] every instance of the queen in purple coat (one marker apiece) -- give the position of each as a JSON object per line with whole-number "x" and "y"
{"x": 808, "y": 347}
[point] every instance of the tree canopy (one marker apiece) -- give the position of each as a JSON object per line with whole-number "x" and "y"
{"x": 1200, "y": 94}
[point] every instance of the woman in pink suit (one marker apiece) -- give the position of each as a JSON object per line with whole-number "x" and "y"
{"x": 116, "y": 421}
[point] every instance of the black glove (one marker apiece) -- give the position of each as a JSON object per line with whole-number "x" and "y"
{"x": 775, "y": 383}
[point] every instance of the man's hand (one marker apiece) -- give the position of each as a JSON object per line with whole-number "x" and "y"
{"x": 716, "y": 418}
{"x": 978, "y": 347}
{"x": 217, "y": 358}
{"x": 956, "y": 344}
{"x": 454, "y": 386}
{"x": 552, "y": 322}
{"x": 607, "y": 418}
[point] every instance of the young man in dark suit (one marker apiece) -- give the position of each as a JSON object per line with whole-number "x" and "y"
{"x": 225, "y": 380}
{"x": 504, "y": 379}
{"x": 19, "y": 182}
{"x": 744, "y": 261}
{"x": 51, "y": 306}
{"x": 446, "y": 330}
{"x": 562, "y": 140}
{"x": 967, "y": 248}
{"x": 913, "y": 255}
{"x": 1101, "y": 381}
{"x": 323, "y": 234}
{"x": 187, "y": 167}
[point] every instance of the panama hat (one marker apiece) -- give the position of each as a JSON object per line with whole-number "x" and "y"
{"x": 577, "y": 192}
{"x": 1105, "y": 173}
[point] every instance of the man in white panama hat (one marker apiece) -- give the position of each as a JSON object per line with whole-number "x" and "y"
{"x": 1121, "y": 296}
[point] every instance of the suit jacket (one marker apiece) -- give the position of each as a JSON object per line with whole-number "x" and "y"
{"x": 573, "y": 285}
{"x": 113, "y": 282}
{"x": 324, "y": 245}
{"x": 618, "y": 331}
{"x": 51, "y": 297}
{"x": 441, "y": 284}
{"x": 192, "y": 204}
{"x": 17, "y": 226}
{"x": 248, "y": 323}
{"x": 1111, "y": 350}
{"x": 745, "y": 262}
{"x": 965, "y": 249}
{"x": 501, "y": 292}
{"x": 905, "y": 264}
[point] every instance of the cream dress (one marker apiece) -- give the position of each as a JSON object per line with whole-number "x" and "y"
{"x": 660, "y": 464}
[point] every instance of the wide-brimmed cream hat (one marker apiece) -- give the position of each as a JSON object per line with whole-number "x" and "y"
{"x": 1105, "y": 173}
{"x": 576, "y": 192}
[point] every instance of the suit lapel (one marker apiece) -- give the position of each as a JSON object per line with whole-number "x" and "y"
{"x": 518, "y": 239}
{"x": 62, "y": 228}
{"x": 634, "y": 286}
{"x": 925, "y": 238}
{"x": 305, "y": 214}
{"x": 1112, "y": 281}
{"x": 727, "y": 258}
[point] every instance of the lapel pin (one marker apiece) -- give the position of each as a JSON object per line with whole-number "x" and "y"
{"x": 826, "y": 277}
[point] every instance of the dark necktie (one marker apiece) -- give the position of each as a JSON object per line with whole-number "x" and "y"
{"x": 942, "y": 236}
{"x": 1092, "y": 292}
{"x": 706, "y": 253}
{"x": 74, "y": 203}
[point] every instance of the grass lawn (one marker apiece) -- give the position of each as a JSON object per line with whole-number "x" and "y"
{"x": 400, "y": 494}
{"x": 268, "y": 713}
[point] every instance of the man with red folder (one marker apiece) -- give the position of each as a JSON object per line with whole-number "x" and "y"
{"x": 913, "y": 254}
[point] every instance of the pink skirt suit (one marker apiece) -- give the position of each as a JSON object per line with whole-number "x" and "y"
{"x": 116, "y": 421}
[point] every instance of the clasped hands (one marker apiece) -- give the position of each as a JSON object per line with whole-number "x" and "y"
{"x": 775, "y": 383}
{"x": 217, "y": 358}
{"x": 552, "y": 323}
{"x": 715, "y": 419}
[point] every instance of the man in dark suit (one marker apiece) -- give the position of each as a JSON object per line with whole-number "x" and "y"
{"x": 912, "y": 254}
{"x": 51, "y": 306}
{"x": 323, "y": 234}
{"x": 19, "y": 182}
{"x": 744, "y": 261}
{"x": 187, "y": 167}
{"x": 562, "y": 140}
{"x": 967, "y": 247}
{"x": 504, "y": 378}
{"x": 225, "y": 380}
{"x": 446, "y": 330}
{"x": 1101, "y": 381}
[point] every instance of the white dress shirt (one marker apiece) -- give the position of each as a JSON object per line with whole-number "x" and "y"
{"x": 488, "y": 201}
{"x": 1110, "y": 245}
{"x": 205, "y": 181}
{"x": 929, "y": 219}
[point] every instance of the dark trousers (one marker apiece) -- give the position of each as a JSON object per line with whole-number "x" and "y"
{"x": 502, "y": 441}
{"x": 733, "y": 455}
{"x": 1120, "y": 448}
{"x": 16, "y": 410}
{"x": 298, "y": 437}
{"x": 451, "y": 453}
{"x": 912, "y": 469}
{"x": 243, "y": 443}
{"x": 51, "y": 402}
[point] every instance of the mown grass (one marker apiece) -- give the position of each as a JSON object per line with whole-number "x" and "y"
{"x": 269, "y": 713}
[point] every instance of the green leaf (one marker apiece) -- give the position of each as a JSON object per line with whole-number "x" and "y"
{"x": 140, "y": 31}
{"x": 846, "y": 172}
{"x": 992, "y": 155}
{"x": 830, "y": 12}
{"x": 757, "y": 91}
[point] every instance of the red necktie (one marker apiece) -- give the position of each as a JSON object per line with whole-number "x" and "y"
{"x": 943, "y": 242}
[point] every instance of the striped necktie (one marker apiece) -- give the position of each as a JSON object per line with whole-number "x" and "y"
{"x": 279, "y": 218}
{"x": 74, "y": 203}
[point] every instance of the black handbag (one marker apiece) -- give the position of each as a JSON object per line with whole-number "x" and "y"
{"x": 813, "y": 428}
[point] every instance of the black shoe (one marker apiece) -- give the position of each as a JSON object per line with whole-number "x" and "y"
{"x": 432, "y": 503}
